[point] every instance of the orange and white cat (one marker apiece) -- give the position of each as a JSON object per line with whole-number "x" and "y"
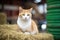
{"x": 25, "y": 22}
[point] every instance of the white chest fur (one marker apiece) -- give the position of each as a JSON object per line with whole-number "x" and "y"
{"x": 24, "y": 24}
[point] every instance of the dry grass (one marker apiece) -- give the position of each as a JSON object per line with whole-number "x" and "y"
{"x": 9, "y": 32}
{"x": 3, "y": 18}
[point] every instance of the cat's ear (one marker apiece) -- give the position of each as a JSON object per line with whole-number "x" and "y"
{"x": 20, "y": 9}
{"x": 30, "y": 9}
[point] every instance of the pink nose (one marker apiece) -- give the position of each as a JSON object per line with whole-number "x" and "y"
{"x": 25, "y": 18}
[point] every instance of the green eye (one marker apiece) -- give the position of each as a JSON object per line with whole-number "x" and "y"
{"x": 27, "y": 14}
{"x": 23, "y": 14}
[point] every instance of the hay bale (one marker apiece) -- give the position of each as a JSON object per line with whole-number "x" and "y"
{"x": 2, "y": 18}
{"x": 9, "y": 32}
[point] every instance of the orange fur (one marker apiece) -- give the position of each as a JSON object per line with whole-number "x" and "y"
{"x": 30, "y": 25}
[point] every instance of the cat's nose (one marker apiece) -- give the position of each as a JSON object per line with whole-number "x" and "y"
{"x": 25, "y": 17}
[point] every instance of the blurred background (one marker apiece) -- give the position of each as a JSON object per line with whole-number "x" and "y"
{"x": 10, "y": 8}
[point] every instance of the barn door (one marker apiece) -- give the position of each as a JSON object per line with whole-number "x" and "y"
{"x": 53, "y": 18}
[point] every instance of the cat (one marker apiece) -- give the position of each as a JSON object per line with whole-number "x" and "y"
{"x": 25, "y": 22}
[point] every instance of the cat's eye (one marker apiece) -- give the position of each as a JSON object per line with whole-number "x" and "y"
{"x": 23, "y": 14}
{"x": 27, "y": 14}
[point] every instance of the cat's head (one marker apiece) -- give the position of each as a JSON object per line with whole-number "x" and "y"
{"x": 25, "y": 14}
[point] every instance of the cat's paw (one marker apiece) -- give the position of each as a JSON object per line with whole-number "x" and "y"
{"x": 26, "y": 33}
